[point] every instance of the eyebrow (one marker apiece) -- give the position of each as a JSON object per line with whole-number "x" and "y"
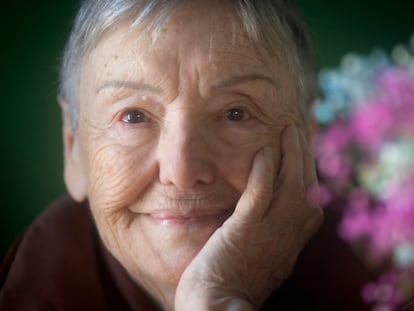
{"x": 245, "y": 78}
{"x": 129, "y": 85}
{"x": 221, "y": 84}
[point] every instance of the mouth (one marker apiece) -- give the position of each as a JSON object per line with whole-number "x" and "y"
{"x": 189, "y": 217}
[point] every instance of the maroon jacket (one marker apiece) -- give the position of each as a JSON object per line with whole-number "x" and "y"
{"x": 59, "y": 263}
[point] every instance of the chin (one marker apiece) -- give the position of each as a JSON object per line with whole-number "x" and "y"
{"x": 157, "y": 253}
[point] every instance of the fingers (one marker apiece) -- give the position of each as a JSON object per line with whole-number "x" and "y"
{"x": 296, "y": 177}
{"x": 298, "y": 165}
{"x": 292, "y": 164}
{"x": 255, "y": 200}
{"x": 297, "y": 192}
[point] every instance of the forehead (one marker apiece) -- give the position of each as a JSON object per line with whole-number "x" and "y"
{"x": 210, "y": 37}
{"x": 214, "y": 27}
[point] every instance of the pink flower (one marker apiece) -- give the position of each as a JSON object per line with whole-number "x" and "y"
{"x": 363, "y": 155}
{"x": 373, "y": 124}
{"x": 334, "y": 139}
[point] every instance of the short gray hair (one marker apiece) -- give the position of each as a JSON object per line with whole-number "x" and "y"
{"x": 267, "y": 22}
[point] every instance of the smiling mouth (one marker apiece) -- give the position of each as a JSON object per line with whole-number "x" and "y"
{"x": 189, "y": 218}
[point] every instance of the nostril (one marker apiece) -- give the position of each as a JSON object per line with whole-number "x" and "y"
{"x": 185, "y": 170}
{"x": 185, "y": 174}
{"x": 183, "y": 153}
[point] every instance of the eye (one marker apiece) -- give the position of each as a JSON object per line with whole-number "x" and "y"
{"x": 134, "y": 117}
{"x": 236, "y": 114}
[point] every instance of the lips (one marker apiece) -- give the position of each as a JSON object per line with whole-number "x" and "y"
{"x": 200, "y": 207}
{"x": 184, "y": 217}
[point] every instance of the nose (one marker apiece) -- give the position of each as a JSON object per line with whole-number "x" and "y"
{"x": 184, "y": 154}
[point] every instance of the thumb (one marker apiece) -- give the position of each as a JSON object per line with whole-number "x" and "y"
{"x": 255, "y": 200}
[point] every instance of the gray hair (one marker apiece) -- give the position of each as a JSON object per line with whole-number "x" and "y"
{"x": 266, "y": 22}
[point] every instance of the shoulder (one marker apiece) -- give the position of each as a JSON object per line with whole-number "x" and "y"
{"x": 53, "y": 262}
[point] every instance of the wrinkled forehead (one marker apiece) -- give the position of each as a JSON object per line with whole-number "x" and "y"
{"x": 212, "y": 38}
{"x": 200, "y": 43}
{"x": 217, "y": 24}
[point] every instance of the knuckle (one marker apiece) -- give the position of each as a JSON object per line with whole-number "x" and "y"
{"x": 296, "y": 194}
{"x": 294, "y": 187}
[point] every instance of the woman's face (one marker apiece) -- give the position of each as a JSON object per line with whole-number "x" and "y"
{"x": 167, "y": 133}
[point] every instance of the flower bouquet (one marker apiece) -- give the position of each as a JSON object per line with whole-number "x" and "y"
{"x": 365, "y": 155}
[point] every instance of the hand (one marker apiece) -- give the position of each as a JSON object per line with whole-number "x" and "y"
{"x": 256, "y": 249}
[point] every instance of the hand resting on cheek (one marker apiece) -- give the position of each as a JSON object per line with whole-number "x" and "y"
{"x": 256, "y": 248}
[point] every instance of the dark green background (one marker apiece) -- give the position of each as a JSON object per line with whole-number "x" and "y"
{"x": 32, "y": 37}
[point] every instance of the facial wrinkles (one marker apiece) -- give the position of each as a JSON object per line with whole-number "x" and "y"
{"x": 202, "y": 199}
{"x": 130, "y": 64}
{"x": 117, "y": 169}
{"x": 216, "y": 51}
{"x": 194, "y": 90}
{"x": 114, "y": 172}
{"x": 223, "y": 146}
{"x": 124, "y": 174}
{"x": 191, "y": 68}
{"x": 193, "y": 73}
{"x": 287, "y": 93}
{"x": 284, "y": 109}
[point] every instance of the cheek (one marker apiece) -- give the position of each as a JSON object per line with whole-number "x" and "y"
{"x": 117, "y": 175}
{"x": 235, "y": 151}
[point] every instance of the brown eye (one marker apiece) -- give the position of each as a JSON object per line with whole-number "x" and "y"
{"x": 235, "y": 114}
{"x": 134, "y": 117}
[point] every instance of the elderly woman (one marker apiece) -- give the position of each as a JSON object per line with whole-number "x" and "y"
{"x": 186, "y": 132}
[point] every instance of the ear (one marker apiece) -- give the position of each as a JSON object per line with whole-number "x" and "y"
{"x": 75, "y": 175}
